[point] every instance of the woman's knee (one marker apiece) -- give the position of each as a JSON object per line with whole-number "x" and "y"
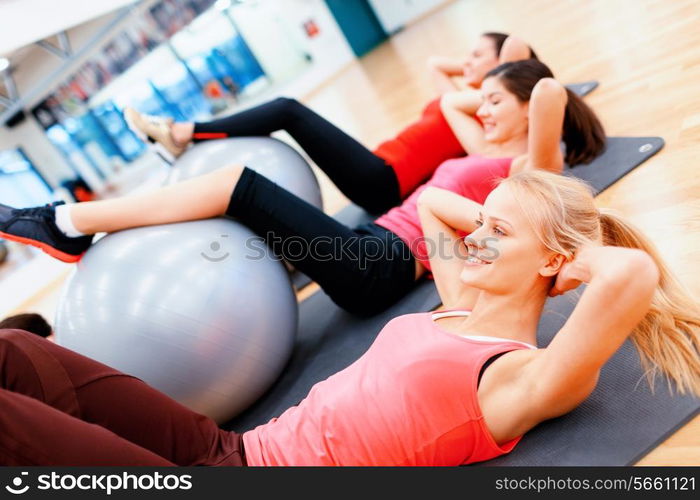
{"x": 11, "y": 338}
{"x": 15, "y": 362}
{"x": 288, "y": 104}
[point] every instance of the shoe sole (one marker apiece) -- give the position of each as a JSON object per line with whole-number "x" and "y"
{"x": 47, "y": 249}
{"x": 151, "y": 143}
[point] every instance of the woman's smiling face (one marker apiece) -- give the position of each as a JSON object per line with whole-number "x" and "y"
{"x": 482, "y": 59}
{"x": 505, "y": 252}
{"x": 502, "y": 114}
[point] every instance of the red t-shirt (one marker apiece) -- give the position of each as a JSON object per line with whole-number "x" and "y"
{"x": 417, "y": 151}
{"x": 411, "y": 399}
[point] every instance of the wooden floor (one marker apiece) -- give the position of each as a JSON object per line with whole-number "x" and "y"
{"x": 645, "y": 53}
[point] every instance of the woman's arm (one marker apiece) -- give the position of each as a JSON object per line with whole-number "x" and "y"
{"x": 514, "y": 49}
{"x": 442, "y": 70}
{"x": 621, "y": 284}
{"x": 545, "y": 124}
{"x": 442, "y": 213}
{"x": 459, "y": 109}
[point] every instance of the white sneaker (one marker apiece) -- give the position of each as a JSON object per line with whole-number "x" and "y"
{"x": 154, "y": 131}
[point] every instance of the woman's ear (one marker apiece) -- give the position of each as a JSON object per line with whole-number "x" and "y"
{"x": 553, "y": 265}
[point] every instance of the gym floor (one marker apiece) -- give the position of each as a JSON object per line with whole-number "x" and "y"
{"x": 644, "y": 53}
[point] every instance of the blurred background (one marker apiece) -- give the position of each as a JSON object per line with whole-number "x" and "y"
{"x": 67, "y": 69}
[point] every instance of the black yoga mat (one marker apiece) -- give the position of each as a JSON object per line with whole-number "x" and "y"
{"x": 583, "y": 88}
{"x": 617, "y": 425}
{"x": 621, "y": 155}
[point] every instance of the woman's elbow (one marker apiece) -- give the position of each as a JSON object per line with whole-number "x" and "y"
{"x": 645, "y": 269}
{"x": 635, "y": 269}
{"x": 549, "y": 89}
{"x": 425, "y": 196}
{"x": 514, "y": 49}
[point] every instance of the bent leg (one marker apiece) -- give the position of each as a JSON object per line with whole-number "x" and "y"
{"x": 362, "y": 176}
{"x": 97, "y": 394}
{"x": 362, "y": 270}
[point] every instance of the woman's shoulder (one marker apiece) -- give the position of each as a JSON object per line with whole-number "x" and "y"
{"x": 518, "y": 164}
{"x": 405, "y": 320}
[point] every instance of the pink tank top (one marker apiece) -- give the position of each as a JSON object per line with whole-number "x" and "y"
{"x": 473, "y": 177}
{"x": 409, "y": 400}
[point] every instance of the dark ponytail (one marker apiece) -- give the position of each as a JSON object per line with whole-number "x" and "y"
{"x": 582, "y": 133}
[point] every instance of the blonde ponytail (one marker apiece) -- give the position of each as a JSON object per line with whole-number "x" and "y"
{"x": 668, "y": 337}
{"x": 562, "y": 211}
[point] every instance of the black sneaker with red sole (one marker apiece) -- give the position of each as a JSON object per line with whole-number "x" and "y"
{"x": 37, "y": 227}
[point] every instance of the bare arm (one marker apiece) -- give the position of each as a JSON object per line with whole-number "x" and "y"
{"x": 442, "y": 71}
{"x": 459, "y": 109}
{"x": 442, "y": 213}
{"x": 545, "y": 123}
{"x": 621, "y": 284}
{"x": 514, "y": 49}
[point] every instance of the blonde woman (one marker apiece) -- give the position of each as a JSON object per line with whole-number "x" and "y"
{"x": 446, "y": 388}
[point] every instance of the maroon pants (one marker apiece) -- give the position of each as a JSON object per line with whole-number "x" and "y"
{"x": 60, "y": 408}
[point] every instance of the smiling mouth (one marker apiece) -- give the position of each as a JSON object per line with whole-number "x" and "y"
{"x": 476, "y": 261}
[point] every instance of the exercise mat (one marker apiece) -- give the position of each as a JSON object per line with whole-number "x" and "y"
{"x": 621, "y": 155}
{"x": 582, "y": 88}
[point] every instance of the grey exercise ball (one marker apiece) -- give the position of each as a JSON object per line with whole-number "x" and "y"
{"x": 199, "y": 310}
{"x": 270, "y": 157}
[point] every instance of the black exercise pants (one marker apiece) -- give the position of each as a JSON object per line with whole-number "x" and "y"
{"x": 363, "y": 269}
{"x": 365, "y": 178}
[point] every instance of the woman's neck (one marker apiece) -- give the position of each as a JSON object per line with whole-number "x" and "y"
{"x": 514, "y": 317}
{"x": 507, "y": 149}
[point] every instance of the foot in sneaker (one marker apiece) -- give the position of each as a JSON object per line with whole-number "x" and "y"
{"x": 154, "y": 131}
{"x": 37, "y": 227}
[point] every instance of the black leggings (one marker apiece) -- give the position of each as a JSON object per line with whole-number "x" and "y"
{"x": 364, "y": 270}
{"x": 365, "y": 178}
